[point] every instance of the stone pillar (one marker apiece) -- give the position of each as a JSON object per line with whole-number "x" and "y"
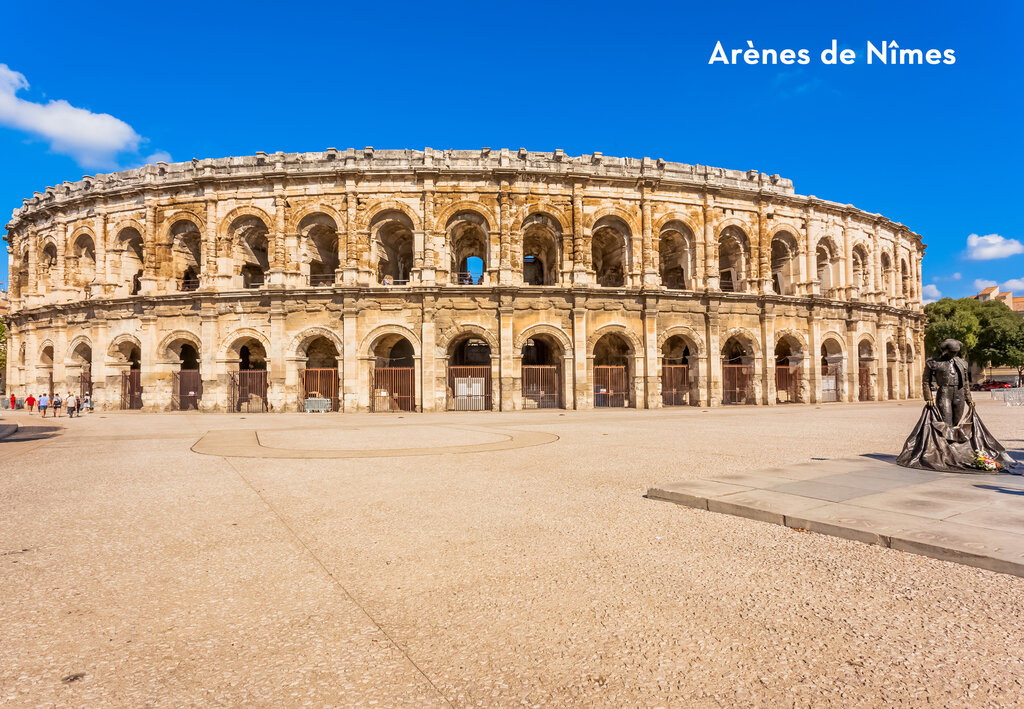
{"x": 649, "y": 254}
{"x": 504, "y": 271}
{"x": 280, "y": 396}
{"x": 59, "y": 328}
{"x": 58, "y": 279}
{"x": 428, "y": 342}
{"x": 32, "y": 287}
{"x": 849, "y": 286}
{"x": 154, "y": 377}
{"x": 149, "y": 281}
{"x": 579, "y": 258}
{"x": 102, "y": 278}
{"x": 710, "y": 246}
{"x": 209, "y": 370}
{"x": 714, "y": 368}
{"x": 763, "y": 236}
{"x": 351, "y": 391}
{"x": 768, "y": 353}
{"x": 582, "y": 398}
{"x": 812, "y": 284}
{"x": 700, "y": 251}
{"x": 651, "y": 364}
{"x": 506, "y": 313}
{"x": 814, "y": 345}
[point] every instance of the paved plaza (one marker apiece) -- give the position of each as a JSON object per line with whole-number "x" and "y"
{"x": 501, "y": 559}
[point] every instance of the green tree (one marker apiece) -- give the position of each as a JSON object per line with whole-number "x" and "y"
{"x": 992, "y": 333}
{"x": 956, "y": 319}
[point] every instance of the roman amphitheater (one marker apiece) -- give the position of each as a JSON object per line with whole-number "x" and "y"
{"x": 383, "y": 280}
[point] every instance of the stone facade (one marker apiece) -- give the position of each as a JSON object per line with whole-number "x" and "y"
{"x": 361, "y": 261}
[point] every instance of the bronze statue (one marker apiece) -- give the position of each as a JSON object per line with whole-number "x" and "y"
{"x": 950, "y": 436}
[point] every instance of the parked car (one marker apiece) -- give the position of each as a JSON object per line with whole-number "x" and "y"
{"x": 990, "y": 384}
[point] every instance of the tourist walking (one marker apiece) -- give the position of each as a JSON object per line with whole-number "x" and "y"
{"x": 87, "y": 404}
{"x": 72, "y": 403}
{"x": 56, "y": 404}
{"x": 44, "y": 404}
{"x": 14, "y": 400}
{"x": 30, "y": 401}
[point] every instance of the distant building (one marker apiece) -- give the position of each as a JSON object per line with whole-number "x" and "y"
{"x": 992, "y": 293}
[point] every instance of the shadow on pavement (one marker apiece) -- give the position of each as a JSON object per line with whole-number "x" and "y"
{"x": 35, "y": 433}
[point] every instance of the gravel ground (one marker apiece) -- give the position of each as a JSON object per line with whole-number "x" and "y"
{"x": 135, "y": 572}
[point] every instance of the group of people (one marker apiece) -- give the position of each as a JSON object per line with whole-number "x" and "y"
{"x": 75, "y": 405}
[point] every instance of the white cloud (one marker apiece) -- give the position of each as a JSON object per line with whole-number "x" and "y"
{"x": 956, "y": 276}
{"x": 1016, "y": 284}
{"x": 931, "y": 293}
{"x": 992, "y": 246}
{"x": 981, "y": 284}
{"x": 94, "y": 140}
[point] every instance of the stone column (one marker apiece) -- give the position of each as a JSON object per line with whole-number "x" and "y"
{"x": 700, "y": 251}
{"x": 710, "y": 247}
{"x": 763, "y": 236}
{"x": 32, "y": 287}
{"x": 649, "y": 255}
{"x": 102, "y": 279}
{"x": 581, "y": 384}
{"x": 714, "y": 367}
{"x": 579, "y": 259}
{"x": 428, "y": 341}
{"x": 814, "y": 345}
{"x": 210, "y": 372}
{"x": 768, "y": 354}
{"x": 652, "y": 380}
{"x": 154, "y": 377}
{"x": 351, "y": 391}
{"x": 280, "y": 396}
{"x": 504, "y": 272}
{"x": 149, "y": 280}
{"x": 506, "y": 313}
{"x": 811, "y": 287}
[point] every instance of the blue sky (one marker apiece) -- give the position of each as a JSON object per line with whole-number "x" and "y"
{"x": 935, "y": 147}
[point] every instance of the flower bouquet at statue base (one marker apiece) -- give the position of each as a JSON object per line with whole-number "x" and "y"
{"x": 987, "y": 463}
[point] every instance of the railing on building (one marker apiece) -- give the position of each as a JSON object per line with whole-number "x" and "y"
{"x": 131, "y": 390}
{"x": 318, "y": 389}
{"x": 469, "y": 388}
{"x": 190, "y": 284}
{"x": 84, "y": 385}
{"x": 738, "y": 384}
{"x": 542, "y": 386}
{"x": 675, "y": 385}
{"x": 186, "y": 390}
{"x": 392, "y": 389}
{"x": 610, "y": 386}
{"x": 247, "y": 391}
{"x": 463, "y": 278}
{"x": 787, "y": 384}
{"x": 321, "y": 279}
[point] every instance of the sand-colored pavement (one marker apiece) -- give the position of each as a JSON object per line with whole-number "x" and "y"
{"x": 138, "y": 572}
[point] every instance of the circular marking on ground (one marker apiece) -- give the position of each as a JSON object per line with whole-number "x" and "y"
{"x": 250, "y": 443}
{"x": 363, "y": 438}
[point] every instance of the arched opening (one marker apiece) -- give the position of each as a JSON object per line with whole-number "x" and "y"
{"x": 132, "y": 259}
{"x": 542, "y": 373}
{"x": 860, "y": 271}
{"x": 250, "y": 237}
{"x": 131, "y": 376}
{"x": 81, "y": 360}
{"x": 47, "y": 267}
{"x": 610, "y": 252}
{"x": 83, "y": 257}
{"x": 737, "y": 372}
{"x": 732, "y": 260}
{"x": 469, "y": 375}
{"x": 392, "y": 247}
{"x": 788, "y": 371}
{"x": 188, "y": 384}
{"x": 612, "y": 355}
{"x": 186, "y": 254}
{"x": 784, "y": 260}
{"x": 831, "y": 370}
{"x": 319, "y": 237}
{"x": 886, "y": 266}
{"x": 319, "y": 378}
{"x": 469, "y": 241}
{"x": 249, "y": 386}
{"x": 824, "y": 259}
{"x": 891, "y": 365}
{"x": 679, "y": 373}
{"x": 866, "y": 361}
{"x": 542, "y": 237}
{"x": 45, "y": 378}
{"x": 676, "y": 256}
{"x": 393, "y": 375}
{"x": 905, "y": 287}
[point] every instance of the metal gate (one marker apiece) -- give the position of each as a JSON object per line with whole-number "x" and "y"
{"x": 131, "y": 390}
{"x": 392, "y": 389}
{"x": 318, "y": 384}
{"x": 738, "y": 384}
{"x": 469, "y": 388}
{"x": 830, "y": 383}
{"x": 49, "y": 387}
{"x": 610, "y": 386}
{"x": 542, "y": 386}
{"x": 787, "y": 384}
{"x": 84, "y": 386}
{"x": 186, "y": 390}
{"x": 864, "y": 383}
{"x": 890, "y": 384}
{"x": 675, "y": 385}
{"x": 247, "y": 392}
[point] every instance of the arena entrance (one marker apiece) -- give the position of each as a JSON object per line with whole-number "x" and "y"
{"x": 737, "y": 373}
{"x": 788, "y": 361}
{"x": 247, "y": 389}
{"x": 469, "y": 375}
{"x": 611, "y": 372}
{"x": 542, "y": 373}
{"x": 82, "y": 358}
{"x": 393, "y": 376}
{"x": 131, "y": 379}
{"x": 318, "y": 382}
{"x": 831, "y": 370}
{"x": 677, "y": 377}
{"x": 891, "y": 363}
{"x": 866, "y": 359}
{"x": 187, "y": 384}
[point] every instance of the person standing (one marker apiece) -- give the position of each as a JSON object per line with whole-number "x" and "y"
{"x": 72, "y": 404}
{"x": 87, "y": 404}
{"x": 14, "y": 400}
{"x": 57, "y": 403}
{"x": 30, "y": 401}
{"x": 44, "y": 404}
